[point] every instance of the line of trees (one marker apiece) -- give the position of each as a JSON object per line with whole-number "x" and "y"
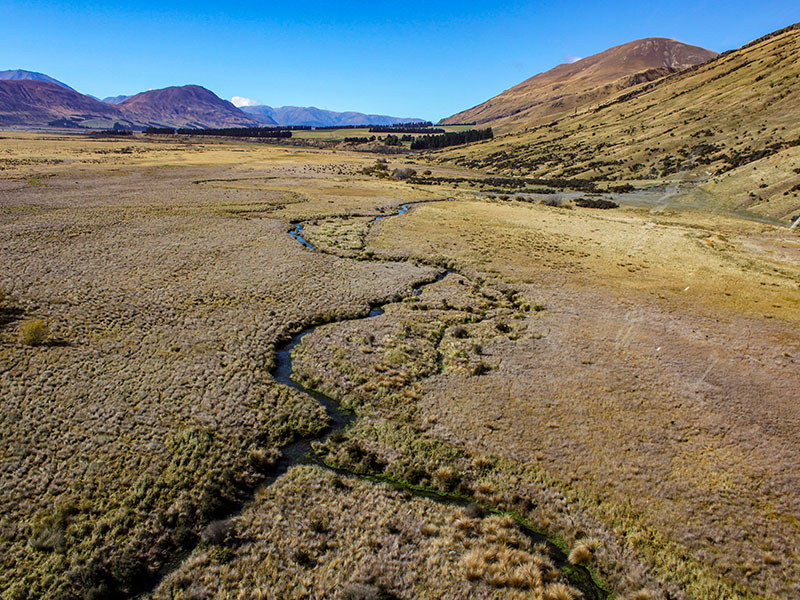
{"x": 452, "y": 138}
{"x": 396, "y": 129}
{"x": 330, "y": 127}
{"x": 256, "y": 132}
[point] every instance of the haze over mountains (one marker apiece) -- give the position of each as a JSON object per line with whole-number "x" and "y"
{"x": 317, "y": 117}
{"x": 568, "y": 87}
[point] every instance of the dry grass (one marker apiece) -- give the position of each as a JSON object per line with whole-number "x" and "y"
{"x": 319, "y": 535}
{"x": 648, "y": 407}
{"x": 633, "y": 409}
{"x": 680, "y": 128}
{"x": 159, "y": 413}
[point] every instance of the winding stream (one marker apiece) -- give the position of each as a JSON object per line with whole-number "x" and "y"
{"x": 300, "y": 452}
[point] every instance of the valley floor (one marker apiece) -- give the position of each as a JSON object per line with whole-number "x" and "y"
{"x": 622, "y": 381}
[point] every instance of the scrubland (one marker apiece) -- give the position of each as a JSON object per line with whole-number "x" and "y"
{"x": 621, "y": 382}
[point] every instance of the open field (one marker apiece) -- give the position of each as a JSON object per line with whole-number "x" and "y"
{"x": 622, "y": 381}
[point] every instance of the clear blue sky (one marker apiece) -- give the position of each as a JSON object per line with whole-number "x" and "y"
{"x": 408, "y": 59}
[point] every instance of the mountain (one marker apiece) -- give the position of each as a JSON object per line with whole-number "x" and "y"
{"x": 115, "y": 99}
{"x": 184, "y": 106}
{"x": 728, "y": 127}
{"x": 317, "y": 117}
{"x": 33, "y": 103}
{"x": 568, "y": 87}
{"x": 262, "y": 114}
{"x": 20, "y": 75}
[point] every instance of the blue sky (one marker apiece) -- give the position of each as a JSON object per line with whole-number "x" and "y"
{"x": 411, "y": 59}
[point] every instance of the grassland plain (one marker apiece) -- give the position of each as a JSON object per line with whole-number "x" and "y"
{"x": 621, "y": 379}
{"x": 654, "y": 394}
{"x": 730, "y": 124}
{"x": 150, "y": 409}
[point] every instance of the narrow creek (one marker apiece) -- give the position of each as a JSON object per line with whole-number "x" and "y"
{"x": 300, "y": 452}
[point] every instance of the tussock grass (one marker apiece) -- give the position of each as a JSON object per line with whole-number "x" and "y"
{"x": 34, "y": 332}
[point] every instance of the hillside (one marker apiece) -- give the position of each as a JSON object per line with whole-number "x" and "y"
{"x": 22, "y": 75}
{"x": 729, "y": 125}
{"x": 568, "y": 87}
{"x": 184, "y": 106}
{"x": 32, "y": 103}
{"x": 317, "y": 117}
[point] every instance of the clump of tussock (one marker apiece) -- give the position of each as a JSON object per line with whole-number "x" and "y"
{"x": 501, "y": 556}
{"x": 580, "y": 554}
{"x": 34, "y": 332}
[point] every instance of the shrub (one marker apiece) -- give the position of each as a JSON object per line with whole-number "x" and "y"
{"x": 34, "y": 332}
{"x": 403, "y": 173}
{"x": 552, "y": 201}
{"x": 480, "y": 369}
{"x": 446, "y": 478}
{"x": 47, "y": 539}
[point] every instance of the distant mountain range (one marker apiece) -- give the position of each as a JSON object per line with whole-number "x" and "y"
{"x": 317, "y": 117}
{"x": 42, "y": 104}
{"x": 115, "y": 99}
{"x": 186, "y": 106}
{"x": 31, "y": 99}
{"x": 569, "y": 87}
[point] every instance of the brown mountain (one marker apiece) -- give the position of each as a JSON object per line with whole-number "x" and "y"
{"x": 184, "y": 106}
{"x": 565, "y": 88}
{"x": 30, "y": 103}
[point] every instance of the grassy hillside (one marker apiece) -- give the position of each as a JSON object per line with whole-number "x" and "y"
{"x": 728, "y": 125}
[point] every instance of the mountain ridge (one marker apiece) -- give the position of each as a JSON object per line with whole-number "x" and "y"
{"x": 42, "y": 104}
{"x": 570, "y": 86}
{"x": 184, "y": 106}
{"x": 727, "y": 125}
